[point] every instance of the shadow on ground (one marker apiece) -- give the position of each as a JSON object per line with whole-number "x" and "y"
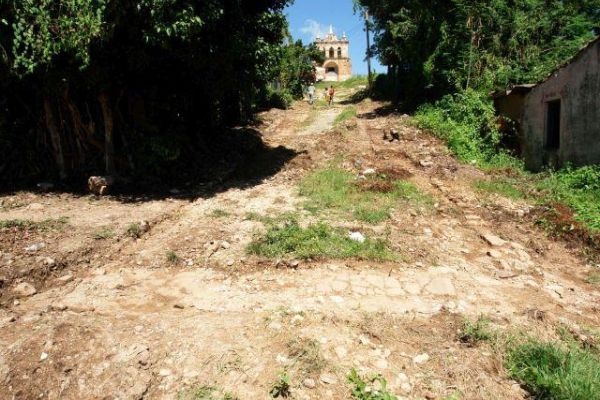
{"x": 237, "y": 159}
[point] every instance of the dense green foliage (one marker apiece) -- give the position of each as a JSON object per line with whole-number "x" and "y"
{"x": 467, "y": 121}
{"x": 434, "y": 47}
{"x": 136, "y": 87}
{"x": 555, "y": 370}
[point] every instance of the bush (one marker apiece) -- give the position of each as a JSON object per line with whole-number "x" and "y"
{"x": 467, "y": 121}
{"x": 276, "y": 98}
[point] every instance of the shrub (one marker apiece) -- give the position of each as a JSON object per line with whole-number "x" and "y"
{"x": 365, "y": 389}
{"x": 467, "y": 121}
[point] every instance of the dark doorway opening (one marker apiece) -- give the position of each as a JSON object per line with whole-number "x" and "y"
{"x": 553, "y": 125}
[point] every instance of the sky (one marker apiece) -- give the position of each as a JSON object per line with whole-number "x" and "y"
{"x": 308, "y": 18}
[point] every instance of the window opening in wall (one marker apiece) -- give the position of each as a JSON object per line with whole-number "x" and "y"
{"x": 339, "y": 52}
{"x": 553, "y": 125}
{"x": 331, "y": 53}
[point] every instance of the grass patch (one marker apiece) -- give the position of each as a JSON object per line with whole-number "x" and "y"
{"x": 369, "y": 200}
{"x": 593, "y": 278}
{"x": 352, "y": 82}
{"x": 206, "y": 393}
{"x": 316, "y": 241}
{"x": 218, "y": 213}
{"x": 555, "y": 371}
{"x": 104, "y": 233}
{"x": 373, "y": 388}
{"x": 472, "y": 333}
{"x": 50, "y": 224}
{"x": 501, "y": 187}
{"x": 345, "y": 115}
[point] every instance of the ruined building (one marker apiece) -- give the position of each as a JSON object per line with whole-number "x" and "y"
{"x": 559, "y": 118}
{"x": 337, "y": 66}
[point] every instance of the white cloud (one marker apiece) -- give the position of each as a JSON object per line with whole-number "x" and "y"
{"x": 313, "y": 29}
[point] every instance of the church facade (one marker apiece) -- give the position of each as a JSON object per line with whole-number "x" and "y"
{"x": 337, "y": 66}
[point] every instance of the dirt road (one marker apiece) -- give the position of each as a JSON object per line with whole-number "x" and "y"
{"x": 158, "y": 298}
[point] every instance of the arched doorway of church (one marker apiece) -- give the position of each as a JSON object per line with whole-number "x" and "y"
{"x": 331, "y": 72}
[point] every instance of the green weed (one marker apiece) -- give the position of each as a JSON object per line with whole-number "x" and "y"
{"x": 369, "y": 200}
{"x": 354, "y": 82}
{"x": 374, "y": 388}
{"x": 282, "y": 387}
{"x": 472, "y": 333}
{"x": 316, "y": 241}
{"x": 172, "y": 257}
{"x": 134, "y": 230}
{"x": 555, "y": 371}
{"x": 308, "y": 355}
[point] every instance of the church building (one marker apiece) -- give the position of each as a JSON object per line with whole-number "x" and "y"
{"x": 337, "y": 66}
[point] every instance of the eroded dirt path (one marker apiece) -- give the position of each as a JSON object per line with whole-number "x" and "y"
{"x": 112, "y": 318}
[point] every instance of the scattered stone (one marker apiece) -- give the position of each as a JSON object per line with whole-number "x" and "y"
{"x": 381, "y": 364}
{"x": 145, "y": 226}
{"x": 44, "y": 356}
{"x": 58, "y": 307}
{"x": 24, "y": 290}
{"x": 493, "y": 240}
{"x": 294, "y": 264}
{"x": 164, "y": 372}
{"x": 50, "y": 262}
{"x": 426, "y": 163}
{"x": 369, "y": 171}
{"x": 357, "y": 237}
{"x": 35, "y": 247}
{"x": 230, "y": 263}
{"x": 179, "y": 306}
{"x": 297, "y": 319}
{"x": 328, "y": 379}
{"x": 309, "y": 383}
{"x": 421, "y": 358}
{"x": 506, "y": 274}
{"x": 225, "y": 244}
{"x": 494, "y": 253}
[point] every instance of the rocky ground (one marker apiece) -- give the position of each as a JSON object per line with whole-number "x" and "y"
{"x": 157, "y": 298}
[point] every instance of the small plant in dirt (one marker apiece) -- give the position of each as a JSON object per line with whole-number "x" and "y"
{"x": 218, "y": 213}
{"x": 551, "y": 371}
{"x": 308, "y": 356}
{"x": 134, "y": 230}
{"x": 318, "y": 240}
{"x": 205, "y": 393}
{"x": 282, "y": 387}
{"x": 104, "y": 233}
{"x": 50, "y": 224}
{"x": 172, "y": 257}
{"x": 479, "y": 331}
{"x": 373, "y": 388}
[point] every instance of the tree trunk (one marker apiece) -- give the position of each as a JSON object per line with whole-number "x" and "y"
{"x": 55, "y": 138}
{"x": 109, "y": 146}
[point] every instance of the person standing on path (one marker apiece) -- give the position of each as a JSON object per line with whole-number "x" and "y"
{"x": 330, "y": 95}
{"x": 311, "y": 93}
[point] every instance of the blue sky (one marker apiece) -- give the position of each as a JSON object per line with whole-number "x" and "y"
{"x": 308, "y": 17}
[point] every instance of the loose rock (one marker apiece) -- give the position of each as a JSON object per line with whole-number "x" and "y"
{"x": 24, "y": 290}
